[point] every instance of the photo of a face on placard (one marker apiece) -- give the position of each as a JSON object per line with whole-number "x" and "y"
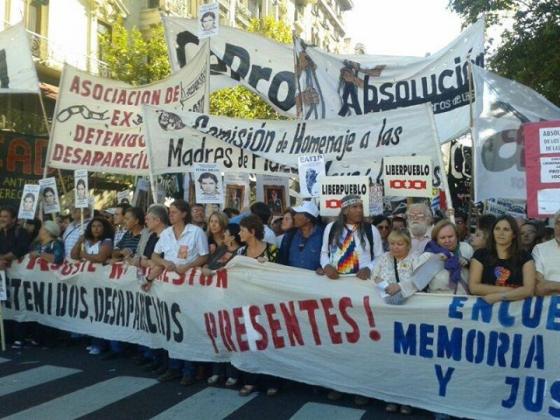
{"x": 274, "y": 198}
{"x": 49, "y": 196}
{"x": 208, "y": 184}
{"x": 81, "y": 195}
{"x": 208, "y": 20}
{"x": 234, "y": 196}
{"x": 29, "y": 199}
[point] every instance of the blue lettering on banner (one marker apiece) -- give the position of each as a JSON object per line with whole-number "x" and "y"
{"x": 552, "y": 322}
{"x": 443, "y": 380}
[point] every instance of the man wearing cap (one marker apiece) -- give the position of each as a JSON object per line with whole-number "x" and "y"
{"x": 301, "y": 247}
{"x": 350, "y": 245}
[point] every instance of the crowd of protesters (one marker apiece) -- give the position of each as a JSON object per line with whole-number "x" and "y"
{"x": 502, "y": 259}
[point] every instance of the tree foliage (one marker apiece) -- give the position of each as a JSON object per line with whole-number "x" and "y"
{"x": 133, "y": 58}
{"x": 530, "y": 50}
{"x": 240, "y": 102}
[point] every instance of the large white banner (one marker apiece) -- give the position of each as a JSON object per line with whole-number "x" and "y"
{"x": 264, "y": 66}
{"x": 98, "y": 123}
{"x": 332, "y": 85}
{"x": 174, "y": 147}
{"x": 502, "y": 106}
{"x": 461, "y": 356}
{"x": 357, "y": 141}
{"x": 17, "y": 71}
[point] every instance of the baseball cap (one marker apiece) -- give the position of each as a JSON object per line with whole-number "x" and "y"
{"x": 307, "y": 207}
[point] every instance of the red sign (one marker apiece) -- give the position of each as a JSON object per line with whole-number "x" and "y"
{"x": 542, "y": 163}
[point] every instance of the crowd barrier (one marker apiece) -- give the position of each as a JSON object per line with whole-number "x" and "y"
{"x": 444, "y": 353}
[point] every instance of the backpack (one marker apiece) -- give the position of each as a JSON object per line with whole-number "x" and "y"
{"x": 369, "y": 236}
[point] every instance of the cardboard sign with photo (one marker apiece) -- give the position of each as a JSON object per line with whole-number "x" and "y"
{"x": 237, "y": 190}
{"x": 274, "y": 192}
{"x": 29, "y": 199}
{"x": 208, "y": 183}
{"x": 49, "y": 196}
{"x": 310, "y": 168}
{"x": 81, "y": 189}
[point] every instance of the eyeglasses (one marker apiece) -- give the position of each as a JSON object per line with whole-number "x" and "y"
{"x": 416, "y": 216}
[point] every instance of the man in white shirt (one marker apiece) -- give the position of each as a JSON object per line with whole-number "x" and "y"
{"x": 350, "y": 248}
{"x": 547, "y": 262}
{"x": 419, "y": 217}
{"x": 74, "y": 230}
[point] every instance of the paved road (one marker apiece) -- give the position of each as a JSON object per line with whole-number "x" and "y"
{"x": 67, "y": 383}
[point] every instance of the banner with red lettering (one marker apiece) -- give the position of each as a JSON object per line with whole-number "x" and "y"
{"x": 444, "y": 353}
{"x": 98, "y": 123}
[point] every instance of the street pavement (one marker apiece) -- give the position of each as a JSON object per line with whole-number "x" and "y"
{"x": 67, "y": 383}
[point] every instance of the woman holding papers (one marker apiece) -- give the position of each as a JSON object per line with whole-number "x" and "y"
{"x": 503, "y": 271}
{"x": 393, "y": 272}
{"x": 456, "y": 256}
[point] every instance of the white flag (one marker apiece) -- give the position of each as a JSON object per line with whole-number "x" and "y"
{"x": 502, "y": 105}
{"x": 17, "y": 71}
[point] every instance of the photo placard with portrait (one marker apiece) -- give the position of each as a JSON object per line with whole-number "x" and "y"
{"x": 49, "y": 196}
{"x": 81, "y": 189}
{"x": 310, "y": 168}
{"x": 208, "y": 20}
{"x": 29, "y": 200}
{"x": 274, "y": 192}
{"x": 208, "y": 183}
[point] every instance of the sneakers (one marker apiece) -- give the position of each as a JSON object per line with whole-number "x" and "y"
{"x": 231, "y": 382}
{"x": 94, "y": 350}
{"x": 17, "y": 344}
{"x": 213, "y": 380}
{"x": 187, "y": 380}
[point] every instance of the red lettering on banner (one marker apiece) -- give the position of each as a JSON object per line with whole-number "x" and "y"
{"x": 210, "y": 323}
{"x": 225, "y": 330}
{"x": 254, "y": 312}
{"x": 354, "y": 335}
{"x": 292, "y": 323}
{"x": 373, "y": 334}
{"x": 240, "y": 331}
{"x": 117, "y": 271}
{"x": 274, "y": 326}
{"x": 222, "y": 279}
{"x": 332, "y": 320}
{"x": 311, "y": 306}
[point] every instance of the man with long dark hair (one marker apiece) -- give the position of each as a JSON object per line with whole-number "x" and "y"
{"x": 350, "y": 244}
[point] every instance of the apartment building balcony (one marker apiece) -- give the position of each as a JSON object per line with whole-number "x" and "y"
{"x": 51, "y": 58}
{"x": 335, "y": 18}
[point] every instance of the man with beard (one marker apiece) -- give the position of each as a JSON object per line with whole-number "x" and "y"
{"x": 420, "y": 220}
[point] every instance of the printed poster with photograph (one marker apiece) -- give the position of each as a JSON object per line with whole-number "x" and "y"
{"x": 208, "y": 20}
{"x": 49, "y": 196}
{"x": 208, "y": 183}
{"x": 236, "y": 191}
{"x": 29, "y": 199}
{"x": 274, "y": 192}
{"x": 123, "y": 197}
{"x": 81, "y": 194}
{"x": 310, "y": 168}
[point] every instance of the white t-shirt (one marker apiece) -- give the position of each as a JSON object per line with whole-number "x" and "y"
{"x": 547, "y": 259}
{"x": 191, "y": 244}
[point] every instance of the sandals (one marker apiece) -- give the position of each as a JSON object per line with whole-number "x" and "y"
{"x": 231, "y": 382}
{"x": 213, "y": 380}
{"x": 247, "y": 390}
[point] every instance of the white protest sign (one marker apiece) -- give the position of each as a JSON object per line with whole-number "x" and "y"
{"x": 502, "y": 105}
{"x": 208, "y": 184}
{"x": 98, "y": 122}
{"x": 310, "y": 168}
{"x": 49, "y": 196}
{"x": 550, "y": 169}
{"x": 17, "y": 70}
{"x": 376, "y": 199}
{"x": 209, "y": 16}
{"x": 549, "y": 140}
{"x": 358, "y": 139}
{"x": 339, "y": 86}
{"x": 176, "y": 147}
{"x": 408, "y": 176}
{"x": 29, "y": 200}
{"x": 124, "y": 196}
{"x": 334, "y": 188}
{"x": 274, "y": 192}
{"x": 264, "y": 66}
{"x": 81, "y": 189}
